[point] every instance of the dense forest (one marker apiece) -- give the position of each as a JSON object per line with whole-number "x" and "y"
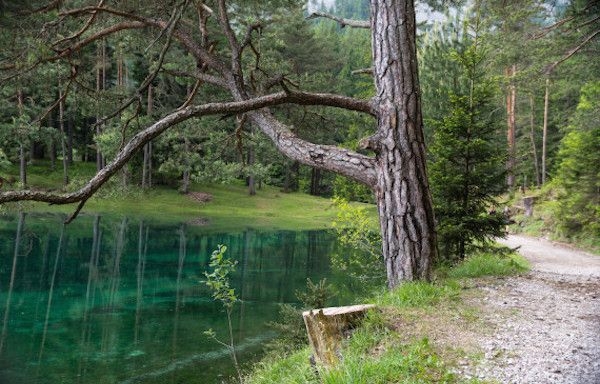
{"x": 510, "y": 94}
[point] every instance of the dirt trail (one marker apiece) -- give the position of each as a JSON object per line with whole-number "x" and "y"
{"x": 546, "y": 256}
{"x": 543, "y": 327}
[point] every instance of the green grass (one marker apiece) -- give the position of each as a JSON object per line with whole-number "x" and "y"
{"x": 418, "y": 294}
{"x": 231, "y": 208}
{"x": 488, "y": 264}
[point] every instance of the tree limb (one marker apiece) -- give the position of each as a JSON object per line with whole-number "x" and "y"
{"x": 569, "y": 54}
{"x": 341, "y": 21}
{"x": 325, "y": 153}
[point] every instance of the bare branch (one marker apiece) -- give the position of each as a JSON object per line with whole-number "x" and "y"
{"x": 53, "y": 5}
{"x": 205, "y": 78}
{"x": 341, "y": 21}
{"x": 85, "y": 27}
{"x": 569, "y": 54}
{"x": 170, "y": 27}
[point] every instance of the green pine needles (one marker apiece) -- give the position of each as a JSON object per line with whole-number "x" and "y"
{"x": 467, "y": 161}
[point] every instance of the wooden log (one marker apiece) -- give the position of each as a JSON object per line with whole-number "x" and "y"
{"x": 326, "y": 327}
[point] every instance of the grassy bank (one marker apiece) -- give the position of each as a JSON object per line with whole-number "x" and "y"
{"x": 418, "y": 335}
{"x": 230, "y": 206}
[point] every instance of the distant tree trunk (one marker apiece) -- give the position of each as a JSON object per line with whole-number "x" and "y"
{"x": 315, "y": 181}
{"x": 511, "y": 98}
{"x": 147, "y": 161}
{"x": 251, "y": 178}
{"x": 185, "y": 184}
{"x": 532, "y": 137}
{"x": 61, "y": 124}
{"x": 290, "y": 181}
{"x": 70, "y": 124}
{"x": 22, "y": 151}
{"x": 22, "y": 166}
{"x": 545, "y": 129}
{"x": 100, "y": 86}
{"x": 52, "y": 153}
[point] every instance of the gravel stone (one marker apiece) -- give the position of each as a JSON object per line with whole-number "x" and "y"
{"x": 546, "y": 324}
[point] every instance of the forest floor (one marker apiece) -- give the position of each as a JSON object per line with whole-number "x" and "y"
{"x": 540, "y": 327}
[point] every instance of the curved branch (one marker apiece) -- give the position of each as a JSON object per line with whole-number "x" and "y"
{"x": 345, "y": 162}
{"x": 341, "y": 21}
{"x": 140, "y": 139}
{"x": 200, "y": 53}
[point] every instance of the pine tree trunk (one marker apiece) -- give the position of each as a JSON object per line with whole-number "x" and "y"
{"x": 22, "y": 166}
{"x": 147, "y": 161}
{"x": 70, "y": 124}
{"x": 315, "y": 181}
{"x": 536, "y": 166}
{"x": 61, "y": 124}
{"x": 511, "y": 98}
{"x": 545, "y": 130}
{"x": 402, "y": 190}
{"x": 185, "y": 183}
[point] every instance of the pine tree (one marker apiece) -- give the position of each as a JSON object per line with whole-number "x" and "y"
{"x": 578, "y": 175}
{"x": 467, "y": 162}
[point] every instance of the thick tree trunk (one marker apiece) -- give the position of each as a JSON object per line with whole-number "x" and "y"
{"x": 402, "y": 190}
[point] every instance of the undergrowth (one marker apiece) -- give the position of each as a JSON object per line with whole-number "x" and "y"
{"x": 379, "y": 352}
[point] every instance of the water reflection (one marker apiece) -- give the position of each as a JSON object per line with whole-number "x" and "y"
{"x": 116, "y": 301}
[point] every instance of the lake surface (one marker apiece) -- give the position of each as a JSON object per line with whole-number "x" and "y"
{"x": 119, "y": 301}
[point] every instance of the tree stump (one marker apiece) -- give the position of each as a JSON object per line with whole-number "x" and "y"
{"x": 528, "y": 204}
{"x": 326, "y": 327}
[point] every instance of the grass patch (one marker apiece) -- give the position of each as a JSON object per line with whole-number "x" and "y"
{"x": 231, "y": 208}
{"x": 488, "y": 264}
{"x": 418, "y": 294}
{"x": 294, "y": 369}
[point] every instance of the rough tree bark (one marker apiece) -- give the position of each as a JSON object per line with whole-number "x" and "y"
{"x": 402, "y": 189}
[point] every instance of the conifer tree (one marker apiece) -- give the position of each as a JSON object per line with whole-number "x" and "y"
{"x": 467, "y": 161}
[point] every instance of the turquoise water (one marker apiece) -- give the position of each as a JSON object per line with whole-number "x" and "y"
{"x": 120, "y": 301}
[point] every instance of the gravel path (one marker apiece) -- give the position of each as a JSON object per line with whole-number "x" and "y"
{"x": 546, "y": 324}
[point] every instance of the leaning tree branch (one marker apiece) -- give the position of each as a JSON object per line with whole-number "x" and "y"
{"x": 348, "y": 163}
{"x": 82, "y": 30}
{"x": 341, "y": 21}
{"x": 235, "y": 107}
{"x": 569, "y": 54}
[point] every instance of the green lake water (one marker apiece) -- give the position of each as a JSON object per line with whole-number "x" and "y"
{"x": 119, "y": 301}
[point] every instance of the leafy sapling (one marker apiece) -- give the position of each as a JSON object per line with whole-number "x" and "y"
{"x": 219, "y": 283}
